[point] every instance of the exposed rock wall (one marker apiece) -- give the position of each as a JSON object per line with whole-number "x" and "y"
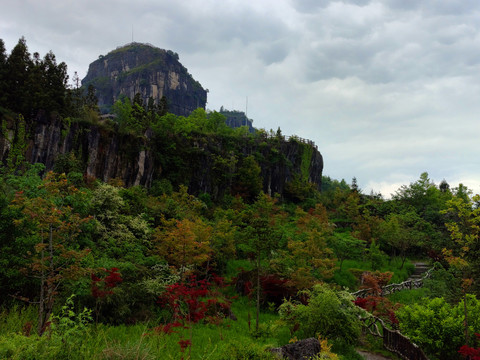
{"x": 149, "y": 71}
{"x": 107, "y": 154}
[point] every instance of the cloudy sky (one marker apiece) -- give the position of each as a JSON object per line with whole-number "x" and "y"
{"x": 386, "y": 89}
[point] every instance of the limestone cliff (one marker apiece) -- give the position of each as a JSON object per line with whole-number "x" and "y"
{"x": 149, "y": 71}
{"x": 204, "y": 163}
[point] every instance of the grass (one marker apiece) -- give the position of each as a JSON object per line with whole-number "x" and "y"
{"x": 209, "y": 341}
{"x": 409, "y": 297}
{"x": 228, "y": 339}
{"x": 351, "y": 269}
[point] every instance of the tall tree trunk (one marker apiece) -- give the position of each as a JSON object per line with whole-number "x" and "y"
{"x": 465, "y": 310}
{"x": 258, "y": 293}
{"x": 41, "y": 302}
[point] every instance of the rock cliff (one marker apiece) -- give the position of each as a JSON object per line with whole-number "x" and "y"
{"x": 201, "y": 162}
{"x": 149, "y": 71}
{"x": 237, "y": 119}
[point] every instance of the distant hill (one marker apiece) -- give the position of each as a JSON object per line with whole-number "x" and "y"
{"x": 149, "y": 71}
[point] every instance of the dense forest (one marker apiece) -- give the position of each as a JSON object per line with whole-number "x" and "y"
{"x": 93, "y": 269}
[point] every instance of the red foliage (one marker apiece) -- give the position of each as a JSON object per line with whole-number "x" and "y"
{"x": 469, "y": 352}
{"x": 27, "y": 328}
{"x": 275, "y": 289}
{"x": 110, "y": 281}
{"x": 192, "y": 301}
{"x": 436, "y": 256}
{"x": 375, "y": 281}
{"x": 248, "y": 288}
{"x": 379, "y": 306}
{"x": 184, "y": 344}
{"x": 167, "y": 328}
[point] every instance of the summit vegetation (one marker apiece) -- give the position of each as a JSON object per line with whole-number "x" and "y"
{"x": 97, "y": 270}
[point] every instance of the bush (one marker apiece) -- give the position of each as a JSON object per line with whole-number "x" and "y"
{"x": 437, "y": 327}
{"x": 326, "y": 309}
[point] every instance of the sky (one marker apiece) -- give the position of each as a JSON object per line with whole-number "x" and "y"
{"x": 386, "y": 89}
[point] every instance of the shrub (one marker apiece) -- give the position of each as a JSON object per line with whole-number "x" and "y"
{"x": 326, "y": 309}
{"x": 438, "y": 327}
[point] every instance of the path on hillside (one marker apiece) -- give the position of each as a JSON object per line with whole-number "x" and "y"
{"x": 420, "y": 269}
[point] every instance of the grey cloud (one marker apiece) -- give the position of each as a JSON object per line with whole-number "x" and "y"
{"x": 273, "y": 53}
{"x": 311, "y": 6}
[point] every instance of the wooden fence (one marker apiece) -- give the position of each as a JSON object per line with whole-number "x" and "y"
{"x": 393, "y": 340}
{"x": 393, "y": 288}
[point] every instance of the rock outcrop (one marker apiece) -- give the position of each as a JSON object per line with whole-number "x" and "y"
{"x": 237, "y": 119}
{"x": 300, "y": 350}
{"x": 195, "y": 161}
{"x": 149, "y": 71}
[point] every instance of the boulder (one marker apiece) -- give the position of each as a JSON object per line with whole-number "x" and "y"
{"x": 300, "y": 350}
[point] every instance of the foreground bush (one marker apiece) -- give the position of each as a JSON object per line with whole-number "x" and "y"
{"x": 438, "y": 327}
{"x": 325, "y": 311}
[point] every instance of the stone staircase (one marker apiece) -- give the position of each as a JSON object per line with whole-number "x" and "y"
{"x": 420, "y": 269}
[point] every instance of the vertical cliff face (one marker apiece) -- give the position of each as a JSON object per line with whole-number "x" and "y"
{"x": 149, "y": 71}
{"x": 203, "y": 163}
{"x": 104, "y": 153}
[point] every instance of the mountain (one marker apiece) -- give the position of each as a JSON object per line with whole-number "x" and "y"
{"x": 149, "y": 71}
{"x": 50, "y": 123}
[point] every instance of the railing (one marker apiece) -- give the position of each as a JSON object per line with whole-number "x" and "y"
{"x": 393, "y": 288}
{"x": 302, "y": 140}
{"x": 399, "y": 344}
{"x": 393, "y": 340}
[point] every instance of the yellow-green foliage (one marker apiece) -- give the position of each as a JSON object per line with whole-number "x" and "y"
{"x": 325, "y": 310}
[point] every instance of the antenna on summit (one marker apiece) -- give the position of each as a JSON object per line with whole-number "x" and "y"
{"x": 132, "y": 33}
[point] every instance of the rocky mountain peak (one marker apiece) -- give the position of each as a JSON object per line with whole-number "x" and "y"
{"x": 149, "y": 71}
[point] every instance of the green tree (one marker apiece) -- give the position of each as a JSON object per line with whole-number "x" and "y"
{"x": 402, "y": 232}
{"x": 3, "y": 74}
{"x": 346, "y": 246}
{"x": 248, "y": 181}
{"x": 51, "y": 221}
{"x": 464, "y": 255}
{"x": 307, "y": 259}
{"x": 54, "y": 82}
{"x": 91, "y": 100}
{"x": 376, "y": 256}
{"x": 17, "y": 76}
{"x": 260, "y": 236}
{"x": 118, "y": 234}
{"x": 163, "y": 106}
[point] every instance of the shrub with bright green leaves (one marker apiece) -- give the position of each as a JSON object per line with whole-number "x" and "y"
{"x": 438, "y": 327}
{"x": 329, "y": 313}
